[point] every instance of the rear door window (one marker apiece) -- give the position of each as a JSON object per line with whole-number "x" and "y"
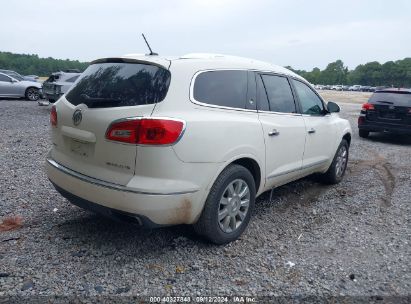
{"x": 121, "y": 84}
{"x": 222, "y": 88}
{"x": 279, "y": 94}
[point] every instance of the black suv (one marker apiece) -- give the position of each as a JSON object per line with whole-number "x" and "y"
{"x": 387, "y": 110}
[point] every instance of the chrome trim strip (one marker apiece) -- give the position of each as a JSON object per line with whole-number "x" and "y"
{"x": 294, "y": 170}
{"x": 104, "y": 184}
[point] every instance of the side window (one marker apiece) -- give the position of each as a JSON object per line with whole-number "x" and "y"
{"x": 4, "y": 78}
{"x": 279, "y": 94}
{"x": 310, "y": 102}
{"x": 222, "y": 88}
{"x": 262, "y": 95}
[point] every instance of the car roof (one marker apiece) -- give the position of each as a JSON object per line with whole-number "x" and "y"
{"x": 201, "y": 61}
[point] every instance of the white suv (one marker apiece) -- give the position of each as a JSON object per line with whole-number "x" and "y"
{"x": 190, "y": 140}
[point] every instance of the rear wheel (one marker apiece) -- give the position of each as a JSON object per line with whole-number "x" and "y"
{"x": 336, "y": 172}
{"x": 228, "y": 207}
{"x": 363, "y": 133}
{"x": 32, "y": 94}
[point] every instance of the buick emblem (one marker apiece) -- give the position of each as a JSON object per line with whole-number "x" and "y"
{"x": 77, "y": 116}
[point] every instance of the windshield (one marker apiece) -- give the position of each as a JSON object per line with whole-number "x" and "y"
{"x": 120, "y": 84}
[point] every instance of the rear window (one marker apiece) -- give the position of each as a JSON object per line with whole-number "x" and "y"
{"x": 222, "y": 88}
{"x": 105, "y": 85}
{"x": 402, "y": 99}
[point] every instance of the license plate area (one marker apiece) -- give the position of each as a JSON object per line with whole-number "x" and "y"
{"x": 80, "y": 148}
{"x": 388, "y": 115}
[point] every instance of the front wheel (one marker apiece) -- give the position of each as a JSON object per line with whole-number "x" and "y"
{"x": 228, "y": 207}
{"x": 32, "y": 94}
{"x": 336, "y": 172}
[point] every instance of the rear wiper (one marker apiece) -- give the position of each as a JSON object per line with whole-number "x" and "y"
{"x": 99, "y": 99}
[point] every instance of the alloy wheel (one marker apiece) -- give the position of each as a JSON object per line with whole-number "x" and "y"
{"x": 234, "y": 205}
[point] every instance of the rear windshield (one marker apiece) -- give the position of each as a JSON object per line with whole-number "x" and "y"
{"x": 105, "y": 85}
{"x": 402, "y": 99}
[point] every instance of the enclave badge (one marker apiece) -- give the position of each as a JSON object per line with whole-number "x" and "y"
{"x": 77, "y": 116}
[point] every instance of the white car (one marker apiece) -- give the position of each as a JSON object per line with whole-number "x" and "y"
{"x": 190, "y": 140}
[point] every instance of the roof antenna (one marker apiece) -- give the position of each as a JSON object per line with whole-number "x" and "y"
{"x": 151, "y": 52}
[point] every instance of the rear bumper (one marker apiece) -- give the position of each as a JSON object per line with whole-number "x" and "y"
{"x": 122, "y": 202}
{"x": 382, "y": 127}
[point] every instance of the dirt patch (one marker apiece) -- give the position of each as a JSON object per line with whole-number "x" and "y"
{"x": 384, "y": 171}
{"x": 182, "y": 214}
{"x": 11, "y": 223}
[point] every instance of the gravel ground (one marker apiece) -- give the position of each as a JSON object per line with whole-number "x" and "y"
{"x": 352, "y": 239}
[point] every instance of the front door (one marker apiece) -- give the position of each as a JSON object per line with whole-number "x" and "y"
{"x": 320, "y": 141}
{"x": 6, "y": 86}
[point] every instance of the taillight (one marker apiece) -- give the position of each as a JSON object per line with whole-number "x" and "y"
{"x": 53, "y": 116}
{"x": 367, "y": 106}
{"x": 146, "y": 131}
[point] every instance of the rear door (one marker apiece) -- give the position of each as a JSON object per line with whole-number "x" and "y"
{"x": 320, "y": 129}
{"x": 283, "y": 128}
{"x": 106, "y": 92}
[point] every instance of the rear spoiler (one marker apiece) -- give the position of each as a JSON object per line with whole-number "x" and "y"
{"x": 135, "y": 61}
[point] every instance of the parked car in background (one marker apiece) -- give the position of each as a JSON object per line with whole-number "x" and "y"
{"x": 58, "y": 84}
{"x": 16, "y": 87}
{"x": 17, "y": 76}
{"x": 345, "y": 88}
{"x": 366, "y": 89}
{"x": 319, "y": 87}
{"x": 387, "y": 110}
{"x": 355, "y": 87}
{"x": 192, "y": 140}
{"x": 35, "y": 77}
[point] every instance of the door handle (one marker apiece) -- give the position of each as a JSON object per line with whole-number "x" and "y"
{"x": 311, "y": 131}
{"x": 274, "y": 132}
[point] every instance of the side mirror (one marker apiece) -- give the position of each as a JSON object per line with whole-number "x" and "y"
{"x": 332, "y": 107}
{"x": 13, "y": 80}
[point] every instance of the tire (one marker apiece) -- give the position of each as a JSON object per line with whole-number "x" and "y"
{"x": 52, "y": 100}
{"x": 230, "y": 226}
{"x": 32, "y": 94}
{"x": 363, "y": 133}
{"x": 336, "y": 171}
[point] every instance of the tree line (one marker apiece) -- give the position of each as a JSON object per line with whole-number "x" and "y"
{"x": 391, "y": 73}
{"x": 26, "y": 64}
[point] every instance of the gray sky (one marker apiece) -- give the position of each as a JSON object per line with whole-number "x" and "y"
{"x": 303, "y": 34}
